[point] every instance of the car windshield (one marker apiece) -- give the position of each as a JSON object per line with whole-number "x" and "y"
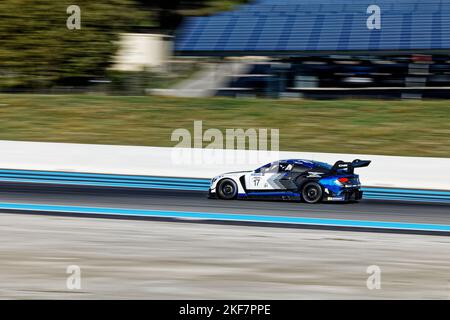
{"x": 273, "y": 166}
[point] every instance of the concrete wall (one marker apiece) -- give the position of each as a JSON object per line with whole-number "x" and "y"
{"x": 385, "y": 171}
{"x": 139, "y": 51}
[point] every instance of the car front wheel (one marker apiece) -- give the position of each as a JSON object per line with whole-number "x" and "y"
{"x": 227, "y": 190}
{"x": 312, "y": 192}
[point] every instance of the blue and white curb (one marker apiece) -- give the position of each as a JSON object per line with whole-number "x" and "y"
{"x": 102, "y": 180}
{"x": 209, "y": 216}
{"x": 188, "y": 184}
{"x": 406, "y": 194}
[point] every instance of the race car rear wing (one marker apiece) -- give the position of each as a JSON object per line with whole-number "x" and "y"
{"x": 349, "y": 167}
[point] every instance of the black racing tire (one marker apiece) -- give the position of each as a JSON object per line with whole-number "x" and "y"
{"x": 227, "y": 189}
{"x": 312, "y": 192}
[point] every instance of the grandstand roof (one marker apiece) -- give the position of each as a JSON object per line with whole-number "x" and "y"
{"x": 285, "y": 27}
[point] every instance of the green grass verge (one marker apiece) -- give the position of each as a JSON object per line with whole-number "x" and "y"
{"x": 410, "y": 128}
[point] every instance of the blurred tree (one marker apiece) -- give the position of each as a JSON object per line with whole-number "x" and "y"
{"x": 38, "y": 50}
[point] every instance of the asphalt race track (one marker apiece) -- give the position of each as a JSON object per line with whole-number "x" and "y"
{"x": 192, "y": 201}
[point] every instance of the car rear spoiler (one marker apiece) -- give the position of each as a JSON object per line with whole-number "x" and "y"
{"x": 349, "y": 167}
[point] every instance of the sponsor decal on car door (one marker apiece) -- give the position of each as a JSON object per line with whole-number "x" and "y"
{"x": 268, "y": 179}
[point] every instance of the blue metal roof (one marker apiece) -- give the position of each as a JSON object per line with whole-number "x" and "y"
{"x": 289, "y": 26}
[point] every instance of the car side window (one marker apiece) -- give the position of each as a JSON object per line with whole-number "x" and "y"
{"x": 268, "y": 168}
{"x": 274, "y": 167}
{"x": 285, "y": 167}
{"x": 300, "y": 168}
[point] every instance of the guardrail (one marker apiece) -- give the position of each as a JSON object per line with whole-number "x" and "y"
{"x": 188, "y": 184}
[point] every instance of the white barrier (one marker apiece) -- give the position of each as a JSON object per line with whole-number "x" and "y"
{"x": 385, "y": 171}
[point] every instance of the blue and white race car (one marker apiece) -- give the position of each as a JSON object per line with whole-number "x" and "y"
{"x": 310, "y": 181}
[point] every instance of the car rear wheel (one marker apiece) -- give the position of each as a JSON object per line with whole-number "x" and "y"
{"x": 227, "y": 189}
{"x": 312, "y": 192}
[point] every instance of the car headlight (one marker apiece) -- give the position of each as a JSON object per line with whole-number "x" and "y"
{"x": 215, "y": 179}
